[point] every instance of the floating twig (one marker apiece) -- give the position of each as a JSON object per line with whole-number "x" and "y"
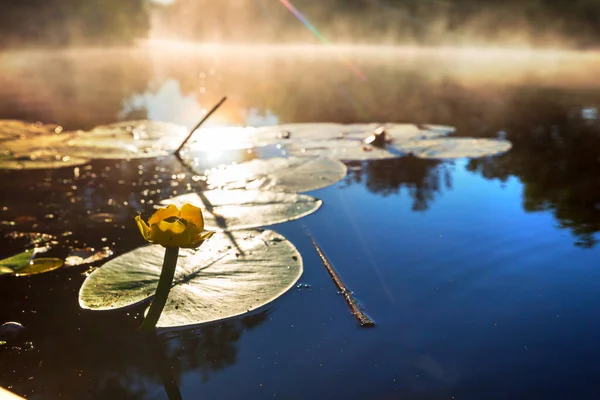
{"x": 354, "y": 305}
{"x": 198, "y": 124}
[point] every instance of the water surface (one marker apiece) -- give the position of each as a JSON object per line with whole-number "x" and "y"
{"x": 480, "y": 274}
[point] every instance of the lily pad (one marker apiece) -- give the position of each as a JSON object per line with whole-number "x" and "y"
{"x": 226, "y": 210}
{"x": 352, "y": 142}
{"x": 86, "y": 256}
{"x": 14, "y": 129}
{"x": 211, "y": 283}
{"x": 46, "y": 148}
{"x": 23, "y": 264}
{"x": 127, "y": 140}
{"x": 45, "y": 159}
{"x": 293, "y": 174}
{"x": 457, "y": 148}
{"x": 340, "y": 141}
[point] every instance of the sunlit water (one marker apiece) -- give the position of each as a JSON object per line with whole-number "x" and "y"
{"x": 481, "y": 275}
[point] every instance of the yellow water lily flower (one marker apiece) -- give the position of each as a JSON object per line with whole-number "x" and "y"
{"x": 174, "y": 227}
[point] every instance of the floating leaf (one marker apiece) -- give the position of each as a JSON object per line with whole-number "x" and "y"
{"x": 13, "y": 129}
{"x": 341, "y": 141}
{"x": 44, "y": 159}
{"x": 350, "y": 144}
{"x": 46, "y": 147}
{"x": 23, "y": 264}
{"x": 211, "y": 283}
{"x": 39, "y": 266}
{"x": 457, "y": 147}
{"x": 240, "y": 209}
{"x": 125, "y": 140}
{"x": 293, "y": 174}
{"x": 86, "y": 256}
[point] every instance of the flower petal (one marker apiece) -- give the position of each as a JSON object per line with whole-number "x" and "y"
{"x": 199, "y": 239}
{"x": 143, "y": 227}
{"x": 192, "y": 214}
{"x": 170, "y": 234}
{"x": 163, "y": 213}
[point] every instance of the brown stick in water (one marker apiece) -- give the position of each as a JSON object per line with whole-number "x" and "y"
{"x": 354, "y": 305}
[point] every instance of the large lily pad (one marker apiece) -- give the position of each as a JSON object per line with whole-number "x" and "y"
{"x": 211, "y": 283}
{"x": 228, "y": 210}
{"x": 28, "y": 146}
{"x": 340, "y": 141}
{"x": 14, "y": 129}
{"x": 24, "y": 264}
{"x": 293, "y": 174}
{"x": 347, "y": 142}
{"x": 457, "y": 148}
{"x": 39, "y": 159}
{"x": 126, "y": 140}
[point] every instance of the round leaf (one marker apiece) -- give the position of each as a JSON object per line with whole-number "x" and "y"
{"x": 339, "y": 141}
{"x": 37, "y": 160}
{"x": 293, "y": 174}
{"x": 23, "y": 264}
{"x": 213, "y": 282}
{"x": 457, "y": 147}
{"x": 227, "y": 210}
{"x": 131, "y": 139}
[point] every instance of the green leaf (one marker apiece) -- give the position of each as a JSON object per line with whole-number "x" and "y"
{"x": 17, "y": 261}
{"x": 23, "y": 264}
{"x": 213, "y": 282}
{"x": 228, "y": 210}
{"x": 293, "y": 174}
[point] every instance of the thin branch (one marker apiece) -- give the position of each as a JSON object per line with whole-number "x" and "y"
{"x": 354, "y": 305}
{"x": 200, "y": 123}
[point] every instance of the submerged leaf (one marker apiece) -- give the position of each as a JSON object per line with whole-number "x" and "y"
{"x": 227, "y": 210}
{"x": 293, "y": 174}
{"x": 214, "y": 282}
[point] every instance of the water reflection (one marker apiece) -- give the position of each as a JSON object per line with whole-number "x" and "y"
{"x": 104, "y": 355}
{"x": 422, "y": 179}
{"x": 559, "y": 166}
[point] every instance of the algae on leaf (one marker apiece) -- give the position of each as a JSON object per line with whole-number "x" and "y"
{"x": 226, "y": 210}
{"x": 211, "y": 283}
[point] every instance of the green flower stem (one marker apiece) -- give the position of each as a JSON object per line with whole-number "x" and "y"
{"x": 162, "y": 291}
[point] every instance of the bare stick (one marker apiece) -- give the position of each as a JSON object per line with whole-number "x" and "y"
{"x": 200, "y": 123}
{"x": 354, "y": 305}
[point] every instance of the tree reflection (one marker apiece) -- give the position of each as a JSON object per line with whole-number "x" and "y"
{"x": 104, "y": 355}
{"x": 556, "y": 155}
{"x": 422, "y": 179}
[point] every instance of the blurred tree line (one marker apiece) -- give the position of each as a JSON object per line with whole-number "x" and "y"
{"x": 571, "y": 22}
{"x": 72, "y": 22}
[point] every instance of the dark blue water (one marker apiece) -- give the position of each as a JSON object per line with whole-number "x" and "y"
{"x": 481, "y": 275}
